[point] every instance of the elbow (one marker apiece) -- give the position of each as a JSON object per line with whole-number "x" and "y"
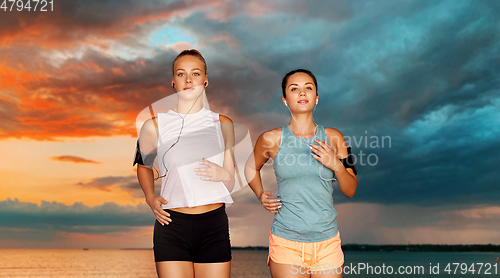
{"x": 229, "y": 181}
{"x": 231, "y": 184}
{"x": 250, "y": 173}
{"x": 351, "y": 194}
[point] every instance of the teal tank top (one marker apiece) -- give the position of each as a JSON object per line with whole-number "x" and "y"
{"x": 307, "y": 213}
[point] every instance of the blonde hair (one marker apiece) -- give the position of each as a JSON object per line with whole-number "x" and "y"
{"x": 190, "y": 52}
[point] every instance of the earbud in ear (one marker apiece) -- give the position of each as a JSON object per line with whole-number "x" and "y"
{"x": 285, "y": 103}
{"x": 316, "y": 102}
{"x": 173, "y": 85}
{"x": 205, "y": 83}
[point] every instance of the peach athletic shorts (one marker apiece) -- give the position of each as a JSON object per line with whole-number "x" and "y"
{"x": 326, "y": 254}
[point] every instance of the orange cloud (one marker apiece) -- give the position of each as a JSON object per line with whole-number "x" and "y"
{"x": 179, "y": 46}
{"x": 37, "y": 103}
{"x": 113, "y": 86}
{"x": 81, "y": 66}
{"x": 109, "y": 183}
{"x": 10, "y": 77}
{"x": 71, "y": 158}
{"x": 81, "y": 98}
{"x": 118, "y": 71}
{"x": 228, "y": 10}
{"x": 256, "y": 9}
{"x": 228, "y": 39}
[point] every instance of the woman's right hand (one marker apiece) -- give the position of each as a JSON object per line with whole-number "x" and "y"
{"x": 155, "y": 202}
{"x": 271, "y": 205}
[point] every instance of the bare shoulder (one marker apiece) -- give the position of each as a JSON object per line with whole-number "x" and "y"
{"x": 270, "y": 138}
{"x": 272, "y": 134}
{"x": 148, "y": 137}
{"x": 268, "y": 143}
{"x": 336, "y": 139}
{"x": 150, "y": 126}
{"x": 224, "y": 119}
{"x": 333, "y": 133}
{"x": 227, "y": 129}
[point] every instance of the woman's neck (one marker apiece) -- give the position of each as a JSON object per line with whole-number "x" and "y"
{"x": 306, "y": 127}
{"x": 188, "y": 108}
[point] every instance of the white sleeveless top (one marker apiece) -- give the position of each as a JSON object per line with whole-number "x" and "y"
{"x": 201, "y": 137}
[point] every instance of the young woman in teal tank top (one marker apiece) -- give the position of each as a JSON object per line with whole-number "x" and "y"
{"x": 304, "y": 239}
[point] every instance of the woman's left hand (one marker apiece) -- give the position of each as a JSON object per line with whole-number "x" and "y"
{"x": 213, "y": 172}
{"x": 325, "y": 154}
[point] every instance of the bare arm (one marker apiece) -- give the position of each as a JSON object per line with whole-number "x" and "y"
{"x": 148, "y": 140}
{"x": 228, "y": 134}
{"x": 145, "y": 178}
{"x": 346, "y": 178}
{"x": 257, "y": 159}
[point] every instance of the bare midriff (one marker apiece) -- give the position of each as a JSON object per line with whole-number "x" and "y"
{"x": 198, "y": 209}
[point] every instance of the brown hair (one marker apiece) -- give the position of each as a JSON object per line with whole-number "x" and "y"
{"x": 285, "y": 79}
{"x": 191, "y": 52}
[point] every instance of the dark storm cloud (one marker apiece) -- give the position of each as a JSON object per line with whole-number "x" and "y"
{"x": 58, "y": 216}
{"x": 127, "y": 183}
{"x": 86, "y": 21}
{"x": 385, "y": 68}
{"x": 389, "y": 80}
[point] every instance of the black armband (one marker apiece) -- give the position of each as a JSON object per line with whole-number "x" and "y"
{"x": 142, "y": 158}
{"x": 348, "y": 162}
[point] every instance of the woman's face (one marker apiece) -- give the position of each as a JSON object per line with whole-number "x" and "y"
{"x": 189, "y": 74}
{"x": 300, "y": 92}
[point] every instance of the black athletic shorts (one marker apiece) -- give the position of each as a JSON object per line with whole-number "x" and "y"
{"x": 198, "y": 238}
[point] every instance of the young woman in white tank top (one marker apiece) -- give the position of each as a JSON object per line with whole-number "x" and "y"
{"x": 194, "y": 147}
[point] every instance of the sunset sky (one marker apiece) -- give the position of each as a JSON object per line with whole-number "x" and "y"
{"x": 424, "y": 75}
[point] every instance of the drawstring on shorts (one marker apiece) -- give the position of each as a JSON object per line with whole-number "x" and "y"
{"x": 303, "y": 253}
{"x": 303, "y": 259}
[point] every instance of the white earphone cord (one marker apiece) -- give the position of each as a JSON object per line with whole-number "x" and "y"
{"x": 302, "y": 136}
{"x": 179, "y": 136}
